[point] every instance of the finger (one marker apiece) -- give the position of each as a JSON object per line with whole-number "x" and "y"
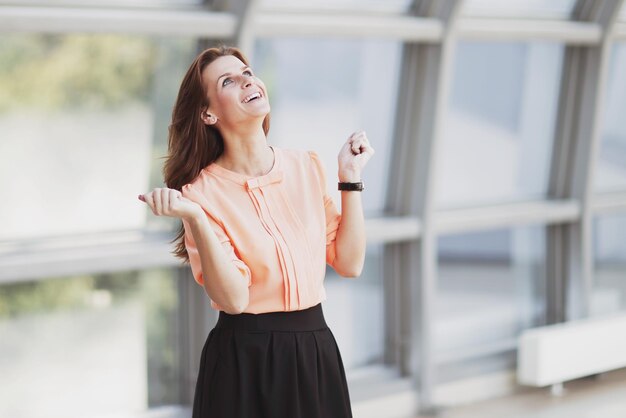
{"x": 141, "y": 197}
{"x": 366, "y": 149}
{"x": 173, "y": 197}
{"x": 346, "y": 147}
{"x": 357, "y": 133}
{"x": 150, "y": 201}
{"x": 358, "y": 145}
{"x": 158, "y": 202}
{"x": 359, "y": 139}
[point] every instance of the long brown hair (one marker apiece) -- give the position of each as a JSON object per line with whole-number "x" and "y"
{"x": 192, "y": 145}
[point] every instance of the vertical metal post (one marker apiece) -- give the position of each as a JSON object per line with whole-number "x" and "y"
{"x": 577, "y": 141}
{"x": 422, "y": 100}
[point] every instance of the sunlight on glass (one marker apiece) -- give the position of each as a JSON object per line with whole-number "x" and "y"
{"x": 610, "y": 172}
{"x": 490, "y": 286}
{"x": 499, "y": 128}
{"x": 89, "y": 345}
{"x": 83, "y": 120}
{"x": 609, "y": 247}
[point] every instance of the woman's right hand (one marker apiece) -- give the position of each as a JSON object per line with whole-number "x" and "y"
{"x": 170, "y": 202}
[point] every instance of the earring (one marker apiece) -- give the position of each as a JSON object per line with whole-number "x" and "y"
{"x": 212, "y": 118}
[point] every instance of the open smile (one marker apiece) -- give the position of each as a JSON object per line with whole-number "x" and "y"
{"x": 252, "y": 96}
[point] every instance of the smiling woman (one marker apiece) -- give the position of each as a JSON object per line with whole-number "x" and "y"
{"x": 258, "y": 229}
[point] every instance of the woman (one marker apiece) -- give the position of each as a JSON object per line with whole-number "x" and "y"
{"x": 258, "y": 228}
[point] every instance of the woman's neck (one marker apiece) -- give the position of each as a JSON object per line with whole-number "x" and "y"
{"x": 246, "y": 153}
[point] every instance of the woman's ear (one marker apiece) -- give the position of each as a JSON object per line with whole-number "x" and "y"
{"x": 208, "y": 118}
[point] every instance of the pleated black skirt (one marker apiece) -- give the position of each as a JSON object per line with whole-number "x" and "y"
{"x": 271, "y": 365}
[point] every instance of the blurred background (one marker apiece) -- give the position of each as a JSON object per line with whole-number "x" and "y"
{"x": 495, "y": 203}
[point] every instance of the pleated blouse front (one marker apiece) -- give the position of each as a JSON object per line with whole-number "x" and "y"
{"x": 278, "y": 229}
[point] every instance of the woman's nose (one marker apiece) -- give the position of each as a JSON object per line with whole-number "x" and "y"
{"x": 246, "y": 82}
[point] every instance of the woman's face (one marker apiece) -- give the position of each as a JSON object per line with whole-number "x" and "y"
{"x": 235, "y": 94}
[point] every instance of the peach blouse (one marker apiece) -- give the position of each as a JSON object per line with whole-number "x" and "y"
{"x": 278, "y": 229}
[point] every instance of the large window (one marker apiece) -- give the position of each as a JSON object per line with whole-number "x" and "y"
{"x": 321, "y": 91}
{"x": 609, "y": 289}
{"x": 84, "y": 121}
{"x": 355, "y": 313}
{"x": 611, "y": 164}
{"x": 491, "y": 286}
{"x": 87, "y": 345}
{"x": 498, "y": 135}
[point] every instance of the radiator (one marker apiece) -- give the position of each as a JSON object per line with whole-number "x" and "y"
{"x": 554, "y": 354}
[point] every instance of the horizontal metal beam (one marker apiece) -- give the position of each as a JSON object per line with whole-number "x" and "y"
{"x": 606, "y": 203}
{"x": 402, "y": 28}
{"x": 474, "y": 352}
{"x": 73, "y": 255}
{"x": 337, "y": 24}
{"x": 130, "y": 250}
{"x": 199, "y": 22}
{"x": 331, "y": 6}
{"x": 506, "y": 215}
{"x": 568, "y": 32}
{"x": 396, "y": 229}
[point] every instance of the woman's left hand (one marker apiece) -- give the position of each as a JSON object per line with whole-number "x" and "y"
{"x": 353, "y": 156}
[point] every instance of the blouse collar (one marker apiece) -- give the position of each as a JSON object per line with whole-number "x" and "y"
{"x": 275, "y": 174}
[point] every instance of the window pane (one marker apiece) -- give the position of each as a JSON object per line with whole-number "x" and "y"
{"x": 498, "y": 136}
{"x": 354, "y": 312}
{"x": 84, "y": 121}
{"x": 491, "y": 286}
{"x": 611, "y": 164}
{"x": 323, "y": 90}
{"x": 550, "y": 9}
{"x": 609, "y": 290}
{"x": 104, "y": 344}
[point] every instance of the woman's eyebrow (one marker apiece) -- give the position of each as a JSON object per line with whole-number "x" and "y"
{"x": 245, "y": 67}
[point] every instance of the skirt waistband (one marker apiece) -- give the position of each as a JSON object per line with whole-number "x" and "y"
{"x": 309, "y": 319}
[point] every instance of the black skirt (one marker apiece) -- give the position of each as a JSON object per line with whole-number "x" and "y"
{"x": 271, "y": 365}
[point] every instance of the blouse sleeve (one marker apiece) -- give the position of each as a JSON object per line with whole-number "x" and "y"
{"x": 192, "y": 250}
{"x": 333, "y": 217}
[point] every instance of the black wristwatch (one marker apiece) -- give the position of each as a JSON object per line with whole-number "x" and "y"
{"x": 355, "y": 187}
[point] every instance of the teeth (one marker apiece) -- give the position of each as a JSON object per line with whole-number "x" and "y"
{"x": 252, "y": 96}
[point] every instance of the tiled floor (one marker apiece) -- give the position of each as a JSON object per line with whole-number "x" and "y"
{"x": 601, "y": 397}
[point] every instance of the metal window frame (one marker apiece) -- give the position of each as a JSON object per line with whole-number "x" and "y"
{"x": 577, "y": 139}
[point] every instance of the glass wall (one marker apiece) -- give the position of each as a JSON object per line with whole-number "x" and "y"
{"x": 499, "y": 127}
{"x": 321, "y": 91}
{"x": 94, "y": 344}
{"x": 84, "y": 122}
{"x": 490, "y": 287}
{"x": 354, "y": 311}
{"x": 609, "y": 247}
{"x": 610, "y": 173}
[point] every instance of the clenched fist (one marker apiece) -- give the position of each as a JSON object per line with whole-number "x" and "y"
{"x": 353, "y": 156}
{"x": 170, "y": 202}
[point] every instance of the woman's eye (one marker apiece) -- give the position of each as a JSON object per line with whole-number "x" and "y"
{"x": 226, "y": 81}
{"x": 248, "y": 72}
